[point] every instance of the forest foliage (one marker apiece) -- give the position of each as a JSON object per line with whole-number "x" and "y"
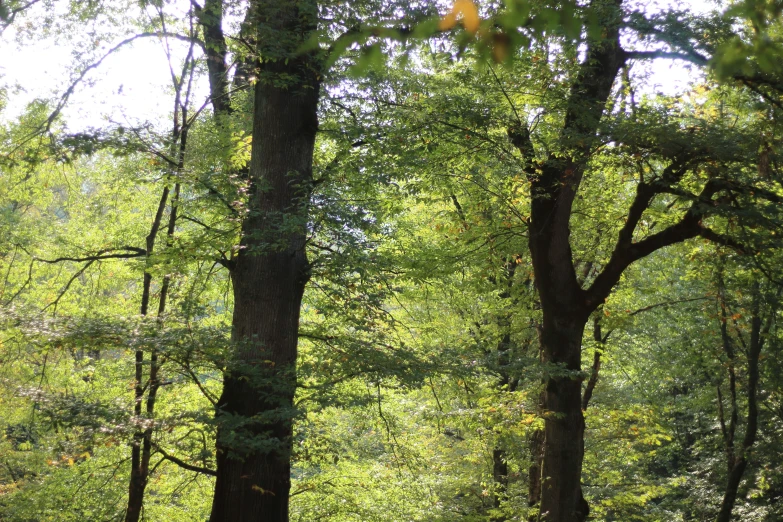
{"x": 521, "y": 265}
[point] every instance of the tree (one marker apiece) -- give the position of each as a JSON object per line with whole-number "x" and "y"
{"x": 169, "y": 154}
{"x": 562, "y": 161}
{"x": 566, "y": 303}
{"x": 455, "y": 220}
{"x": 269, "y": 273}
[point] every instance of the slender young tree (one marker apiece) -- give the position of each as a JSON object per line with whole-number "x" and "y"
{"x": 141, "y": 447}
{"x": 738, "y": 451}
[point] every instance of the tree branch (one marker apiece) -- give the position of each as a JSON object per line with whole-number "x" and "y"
{"x": 68, "y": 92}
{"x": 722, "y": 240}
{"x": 206, "y": 393}
{"x": 668, "y": 303}
{"x": 100, "y": 255}
{"x": 6, "y": 19}
{"x": 182, "y": 464}
{"x": 68, "y": 284}
{"x": 692, "y": 56}
{"x": 599, "y": 338}
{"x": 690, "y": 226}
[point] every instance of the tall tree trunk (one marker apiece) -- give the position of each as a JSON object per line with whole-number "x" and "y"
{"x": 565, "y": 306}
{"x": 256, "y": 408}
{"x": 140, "y": 465}
{"x": 210, "y": 17}
{"x": 561, "y": 491}
{"x": 142, "y": 440}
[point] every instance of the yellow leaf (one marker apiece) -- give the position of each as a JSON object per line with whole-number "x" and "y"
{"x": 448, "y": 21}
{"x": 470, "y": 16}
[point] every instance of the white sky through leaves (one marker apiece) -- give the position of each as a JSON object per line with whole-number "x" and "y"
{"x": 131, "y": 87}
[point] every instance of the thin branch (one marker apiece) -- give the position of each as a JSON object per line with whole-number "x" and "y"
{"x": 722, "y": 240}
{"x": 505, "y": 95}
{"x": 100, "y": 255}
{"x": 68, "y": 285}
{"x": 458, "y": 207}
{"x": 24, "y": 285}
{"x": 207, "y": 394}
{"x": 692, "y": 57}
{"x": 8, "y": 272}
{"x": 591, "y": 383}
{"x": 755, "y": 88}
{"x": 72, "y": 87}
{"x": 669, "y": 303}
{"x": 182, "y": 464}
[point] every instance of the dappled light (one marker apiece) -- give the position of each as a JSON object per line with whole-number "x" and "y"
{"x": 391, "y": 261}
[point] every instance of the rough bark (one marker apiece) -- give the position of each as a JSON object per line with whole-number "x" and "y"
{"x": 561, "y": 492}
{"x": 255, "y": 410}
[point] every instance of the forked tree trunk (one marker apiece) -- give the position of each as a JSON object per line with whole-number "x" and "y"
{"x": 141, "y": 449}
{"x": 565, "y": 305}
{"x": 255, "y": 410}
{"x": 732, "y": 486}
{"x": 554, "y": 183}
{"x": 139, "y": 465}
